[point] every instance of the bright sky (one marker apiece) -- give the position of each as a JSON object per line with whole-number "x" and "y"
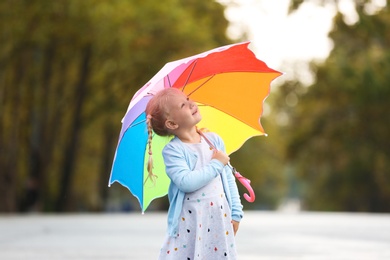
{"x": 280, "y": 39}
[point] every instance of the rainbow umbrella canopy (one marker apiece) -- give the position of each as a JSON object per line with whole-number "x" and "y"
{"x": 229, "y": 85}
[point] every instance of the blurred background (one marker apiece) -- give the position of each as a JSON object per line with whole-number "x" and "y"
{"x": 69, "y": 68}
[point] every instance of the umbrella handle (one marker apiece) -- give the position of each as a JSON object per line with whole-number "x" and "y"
{"x": 246, "y": 183}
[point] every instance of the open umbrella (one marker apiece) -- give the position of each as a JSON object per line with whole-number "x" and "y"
{"x": 229, "y": 85}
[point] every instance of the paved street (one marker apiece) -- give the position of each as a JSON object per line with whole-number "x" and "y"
{"x": 262, "y": 235}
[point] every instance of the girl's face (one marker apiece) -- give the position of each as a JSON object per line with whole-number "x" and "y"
{"x": 182, "y": 111}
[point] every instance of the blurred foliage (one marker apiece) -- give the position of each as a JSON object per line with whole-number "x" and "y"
{"x": 339, "y": 138}
{"x": 261, "y": 160}
{"x": 68, "y": 70}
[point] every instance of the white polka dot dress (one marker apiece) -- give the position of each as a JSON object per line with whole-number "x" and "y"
{"x": 205, "y": 227}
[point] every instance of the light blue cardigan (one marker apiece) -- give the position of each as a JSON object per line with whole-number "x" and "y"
{"x": 180, "y": 163}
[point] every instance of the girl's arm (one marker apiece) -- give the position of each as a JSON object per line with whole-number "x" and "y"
{"x": 182, "y": 176}
{"x": 237, "y": 212}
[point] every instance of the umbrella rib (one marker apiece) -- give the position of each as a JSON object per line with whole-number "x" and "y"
{"x": 189, "y": 75}
{"x": 140, "y": 122}
{"x": 169, "y": 81}
{"x": 227, "y": 113}
{"x": 201, "y": 85}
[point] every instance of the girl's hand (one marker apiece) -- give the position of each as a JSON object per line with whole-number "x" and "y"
{"x": 221, "y": 156}
{"x": 235, "y": 226}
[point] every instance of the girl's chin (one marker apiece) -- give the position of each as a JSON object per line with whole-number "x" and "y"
{"x": 199, "y": 117}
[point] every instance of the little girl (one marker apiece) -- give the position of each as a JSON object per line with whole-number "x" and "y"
{"x": 205, "y": 207}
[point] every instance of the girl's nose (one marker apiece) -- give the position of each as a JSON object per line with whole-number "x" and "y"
{"x": 192, "y": 104}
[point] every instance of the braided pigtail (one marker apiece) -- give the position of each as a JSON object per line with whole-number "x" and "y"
{"x": 157, "y": 111}
{"x": 151, "y": 175}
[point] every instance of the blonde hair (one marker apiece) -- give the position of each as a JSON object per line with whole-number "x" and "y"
{"x": 156, "y": 116}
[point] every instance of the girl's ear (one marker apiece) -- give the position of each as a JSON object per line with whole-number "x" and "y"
{"x": 169, "y": 124}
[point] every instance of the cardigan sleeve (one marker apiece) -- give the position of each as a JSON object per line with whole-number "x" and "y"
{"x": 180, "y": 173}
{"x": 236, "y": 207}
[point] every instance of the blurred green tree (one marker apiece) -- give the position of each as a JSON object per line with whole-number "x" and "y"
{"x": 261, "y": 160}
{"x": 339, "y": 129}
{"x": 68, "y": 69}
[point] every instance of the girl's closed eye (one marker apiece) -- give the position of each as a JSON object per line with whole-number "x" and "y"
{"x": 188, "y": 100}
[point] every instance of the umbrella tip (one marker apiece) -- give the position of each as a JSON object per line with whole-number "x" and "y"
{"x": 143, "y": 213}
{"x": 265, "y": 135}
